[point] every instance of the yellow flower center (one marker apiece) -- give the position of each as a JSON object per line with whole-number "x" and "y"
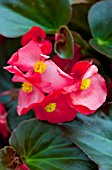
{"x": 50, "y": 107}
{"x": 40, "y": 67}
{"x": 27, "y": 87}
{"x": 85, "y": 84}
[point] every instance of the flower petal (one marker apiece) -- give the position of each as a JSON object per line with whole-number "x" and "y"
{"x": 27, "y": 101}
{"x": 93, "y": 97}
{"x": 62, "y": 113}
{"x": 36, "y": 32}
{"x": 13, "y": 59}
{"x": 34, "y": 78}
{"x": 79, "y": 69}
{"x": 91, "y": 71}
{"x": 55, "y": 76}
{"x": 28, "y": 55}
{"x": 46, "y": 47}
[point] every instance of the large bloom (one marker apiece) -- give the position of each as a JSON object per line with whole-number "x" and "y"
{"x": 88, "y": 91}
{"x": 3, "y": 121}
{"x": 30, "y": 58}
{"x": 31, "y": 92}
{"x": 55, "y": 108}
{"x": 38, "y": 35}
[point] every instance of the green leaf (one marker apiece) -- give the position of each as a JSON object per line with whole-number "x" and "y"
{"x": 100, "y": 21}
{"x": 85, "y": 47}
{"x": 43, "y": 147}
{"x": 93, "y": 135}
{"x": 64, "y": 47}
{"x": 7, "y": 48}
{"x": 17, "y": 17}
{"x": 79, "y": 40}
{"x": 106, "y": 111}
{"x": 105, "y": 49}
{"x": 8, "y": 159}
{"x": 79, "y": 21}
{"x": 81, "y": 1}
{"x": 13, "y": 119}
{"x": 5, "y": 84}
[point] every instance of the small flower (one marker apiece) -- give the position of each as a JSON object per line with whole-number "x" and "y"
{"x": 38, "y": 35}
{"x": 55, "y": 108}
{"x": 3, "y": 121}
{"x": 88, "y": 92}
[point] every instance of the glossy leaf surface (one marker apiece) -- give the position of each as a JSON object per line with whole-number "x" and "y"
{"x": 43, "y": 146}
{"x": 93, "y": 135}
{"x": 17, "y": 17}
{"x": 100, "y": 21}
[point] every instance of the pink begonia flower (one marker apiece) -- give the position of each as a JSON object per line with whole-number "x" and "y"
{"x": 31, "y": 92}
{"x": 30, "y": 58}
{"x": 88, "y": 91}
{"x": 38, "y": 35}
{"x": 55, "y": 109}
{"x": 3, "y": 121}
{"x": 67, "y": 64}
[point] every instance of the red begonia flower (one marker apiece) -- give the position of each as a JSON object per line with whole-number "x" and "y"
{"x": 30, "y": 58}
{"x": 3, "y": 121}
{"x": 34, "y": 32}
{"x": 38, "y": 35}
{"x": 55, "y": 109}
{"x": 67, "y": 64}
{"x": 88, "y": 91}
{"x": 31, "y": 92}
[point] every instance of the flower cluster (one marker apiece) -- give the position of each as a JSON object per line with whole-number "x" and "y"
{"x": 54, "y": 95}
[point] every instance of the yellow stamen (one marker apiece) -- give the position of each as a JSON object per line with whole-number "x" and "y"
{"x": 50, "y": 107}
{"x": 40, "y": 67}
{"x": 27, "y": 87}
{"x": 85, "y": 84}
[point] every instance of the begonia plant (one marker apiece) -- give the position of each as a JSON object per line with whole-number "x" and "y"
{"x": 55, "y": 85}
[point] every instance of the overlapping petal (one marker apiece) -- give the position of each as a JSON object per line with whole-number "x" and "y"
{"x": 36, "y": 32}
{"x": 62, "y": 111}
{"x": 88, "y": 98}
{"x": 27, "y": 100}
{"x": 27, "y": 56}
{"x": 38, "y": 35}
{"x": 55, "y": 76}
{"x": 25, "y": 60}
{"x": 79, "y": 69}
{"x": 92, "y": 98}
